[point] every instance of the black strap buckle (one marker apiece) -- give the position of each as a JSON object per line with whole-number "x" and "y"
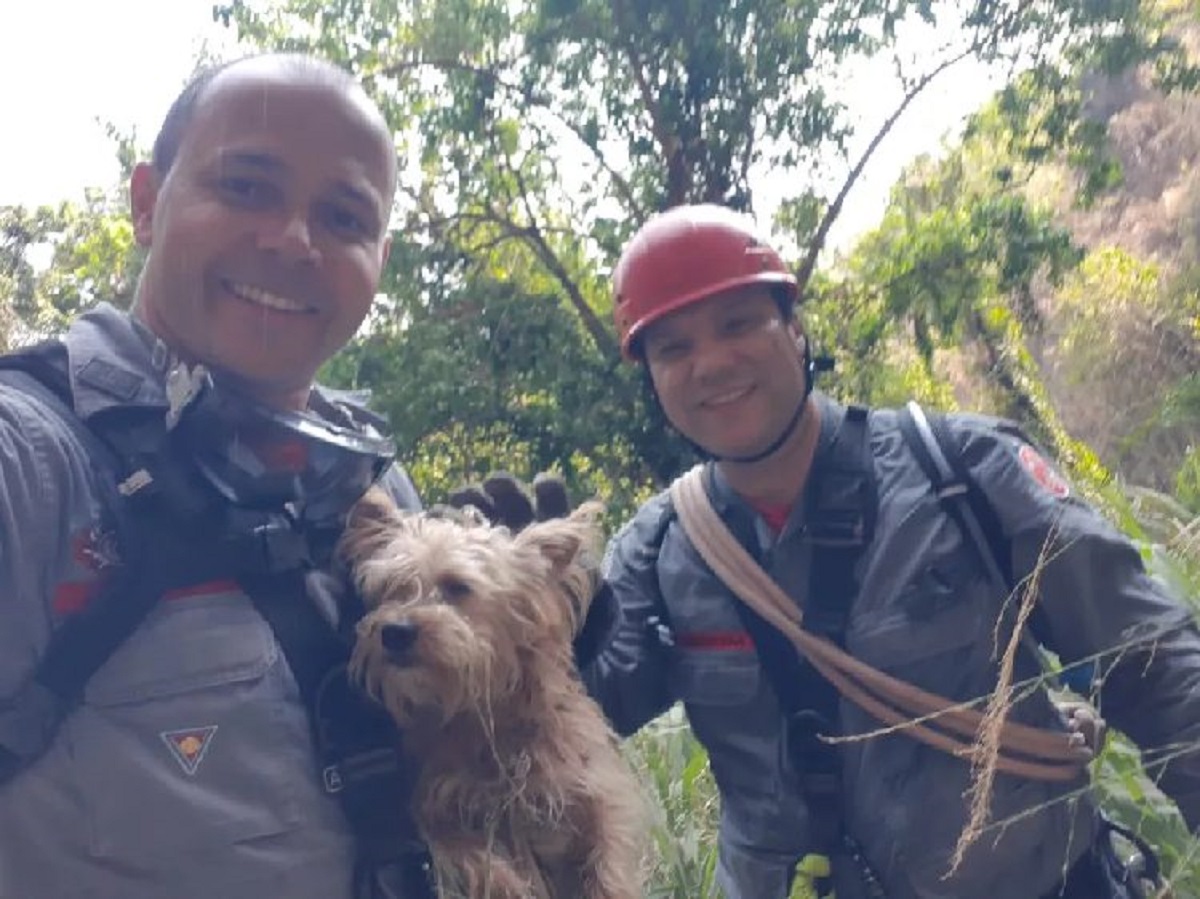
{"x": 813, "y": 758}
{"x": 364, "y": 766}
{"x": 264, "y": 543}
{"x": 661, "y": 631}
{"x": 839, "y": 529}
{"x": 840, "y": 506}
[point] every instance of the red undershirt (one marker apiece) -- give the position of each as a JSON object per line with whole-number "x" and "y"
{"x": 774, "y": 514}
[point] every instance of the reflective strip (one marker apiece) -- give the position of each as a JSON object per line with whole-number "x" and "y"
{"x": 715, "y": 640}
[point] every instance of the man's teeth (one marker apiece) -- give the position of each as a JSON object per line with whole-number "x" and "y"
{"x": 265, "y": 298}
{"x": 724, "y": 398}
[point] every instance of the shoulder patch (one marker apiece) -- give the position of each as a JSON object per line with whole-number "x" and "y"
{"x": 1043, "y": 472}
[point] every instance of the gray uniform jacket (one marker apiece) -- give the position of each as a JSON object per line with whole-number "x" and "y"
{"x": 926, "y": 613}
{"x": 188, "y": 769}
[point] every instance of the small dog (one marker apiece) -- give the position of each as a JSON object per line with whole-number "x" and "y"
{"x": 522, "y": 791}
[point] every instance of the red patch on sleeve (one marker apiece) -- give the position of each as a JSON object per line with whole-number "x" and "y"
{"x": 1043, "y": 473}
{"x": 716, "y": 641}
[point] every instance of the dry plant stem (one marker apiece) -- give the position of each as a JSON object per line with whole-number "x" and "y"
{"x": 987, "y": 748}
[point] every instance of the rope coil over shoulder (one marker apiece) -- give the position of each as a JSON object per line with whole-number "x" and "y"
{"x": 946, "y": 725}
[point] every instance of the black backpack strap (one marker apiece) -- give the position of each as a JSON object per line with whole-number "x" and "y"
{"x": 929, "y": 439}
{"x": 841, "y": 512}
{"x": 928, "y": 436}
{"x": 840, "y": 522}
{"x": 361, "y": 756}
{"x": 76, "y": 649}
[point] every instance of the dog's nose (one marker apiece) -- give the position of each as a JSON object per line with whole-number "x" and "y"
{"x": 398, "y": 638}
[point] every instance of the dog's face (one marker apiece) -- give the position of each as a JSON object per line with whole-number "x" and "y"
{"x": 457, "y": 614}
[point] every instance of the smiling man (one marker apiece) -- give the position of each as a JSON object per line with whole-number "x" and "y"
{"x": 265, "y": 212}
{"x": 187, "y": 766}
{"x": 835, "y": 504}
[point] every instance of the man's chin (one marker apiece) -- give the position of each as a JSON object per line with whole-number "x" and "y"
{"x": 734, "y": 451}
{"x": 275, "y": 386}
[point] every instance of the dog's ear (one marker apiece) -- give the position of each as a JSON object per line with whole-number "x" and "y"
{"x": 368, "y": 525}
{"x": 375, "y": 506}
{"x": 563, "y": 540}
{"x": 574, "y": 546}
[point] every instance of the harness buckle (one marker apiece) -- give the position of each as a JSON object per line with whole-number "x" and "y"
{"x": 838, "y": 529}
{"x": 812, "y": 758}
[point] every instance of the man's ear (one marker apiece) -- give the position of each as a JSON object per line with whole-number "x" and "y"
{"x": 144, "y": 184}
{"x": 798, "y": 335}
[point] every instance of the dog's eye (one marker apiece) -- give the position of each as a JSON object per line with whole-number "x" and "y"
{"x": 453, "y": 590}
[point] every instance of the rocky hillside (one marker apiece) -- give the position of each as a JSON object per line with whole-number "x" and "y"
{"x": 1109, "y": 386}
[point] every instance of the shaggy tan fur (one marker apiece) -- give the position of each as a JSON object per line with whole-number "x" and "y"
{"x": 522, "y": 789}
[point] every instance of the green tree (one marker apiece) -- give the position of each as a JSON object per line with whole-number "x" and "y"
{"x": 1128, "y": 354}
{"x": 55, "y": 261}
{"x": 537, "y": 135}
{"x": 954, "y": 265}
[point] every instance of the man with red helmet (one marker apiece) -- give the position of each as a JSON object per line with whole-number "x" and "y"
{"x": 697, "y": 272}
{"x": 705, "y": 303}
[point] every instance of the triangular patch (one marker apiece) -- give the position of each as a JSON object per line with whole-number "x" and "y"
{"x": 189, "y": 745}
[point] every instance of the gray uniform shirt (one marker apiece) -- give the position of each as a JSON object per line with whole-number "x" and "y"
{"x": 927, "y": 613}
{"x": 188, "y": 769}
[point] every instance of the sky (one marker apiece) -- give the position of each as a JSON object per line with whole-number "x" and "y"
{"x": 69, "y": 66}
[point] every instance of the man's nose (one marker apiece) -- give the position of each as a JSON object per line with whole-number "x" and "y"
{"x": 712, "y": 356}
{"x": 291, "y": 237}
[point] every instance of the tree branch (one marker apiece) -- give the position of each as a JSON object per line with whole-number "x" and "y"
{"x": 678, "y": 180}
{"x": 528, "y": 100}
{"x": 835, "y": 208}
{"x": 600, "y": 336}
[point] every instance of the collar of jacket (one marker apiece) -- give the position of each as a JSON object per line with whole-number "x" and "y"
{"x": 735, "y": 511}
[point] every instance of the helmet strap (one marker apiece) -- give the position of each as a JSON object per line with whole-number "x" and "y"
{"x": 779, "y": 441}
{"x": 811, "y": 368}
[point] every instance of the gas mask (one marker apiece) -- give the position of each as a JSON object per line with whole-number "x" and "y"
{"x": 269, "y": 461}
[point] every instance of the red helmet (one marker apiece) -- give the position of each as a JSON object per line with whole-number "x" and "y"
{"x": 685, "y": 255}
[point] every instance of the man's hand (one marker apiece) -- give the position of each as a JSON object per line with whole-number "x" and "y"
{"x": 1085, "y": 725}
{"x": 504, "y": 500}
{"x": 598, "y": 627}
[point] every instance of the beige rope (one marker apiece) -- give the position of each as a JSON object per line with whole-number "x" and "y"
{"x": 1026, "y": 751}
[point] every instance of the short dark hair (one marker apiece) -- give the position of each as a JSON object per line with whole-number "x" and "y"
{"x": 179, "y": 116}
